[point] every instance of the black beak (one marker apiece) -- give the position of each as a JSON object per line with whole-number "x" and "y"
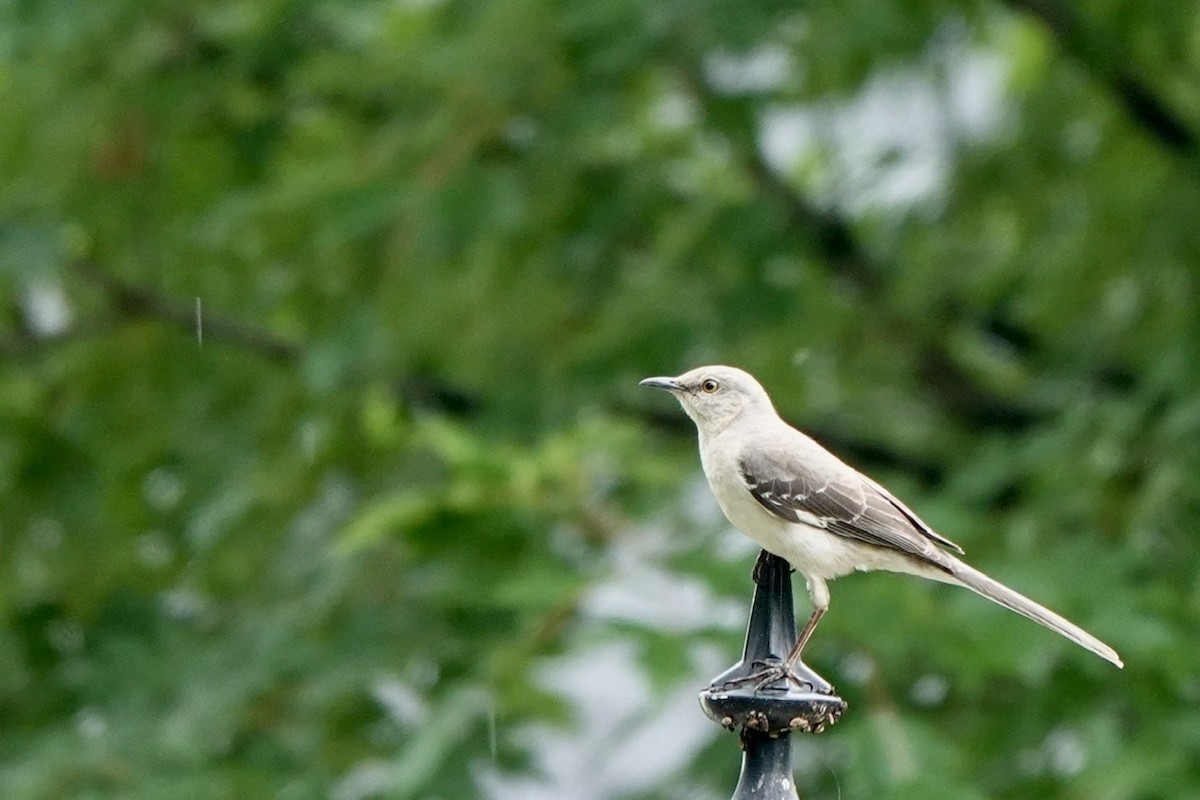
{"x": 667, "y": 384}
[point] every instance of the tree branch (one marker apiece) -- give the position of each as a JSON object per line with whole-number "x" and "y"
{"x": 130, "y": 302}
{"x": 137, "y": 302}
{"x": 1143, "y": 105}
{"x": 833, "y": 240}
{"x": 827, "y": 232}
{"x": 830, "y": 233}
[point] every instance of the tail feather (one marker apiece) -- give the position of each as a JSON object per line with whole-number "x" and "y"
{"x": 997, "y": 592}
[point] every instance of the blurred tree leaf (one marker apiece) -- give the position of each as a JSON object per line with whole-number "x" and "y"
{"x": 320, "y": 330}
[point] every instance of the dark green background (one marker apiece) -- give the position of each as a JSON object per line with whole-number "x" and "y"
{"x": 398, "y": 522}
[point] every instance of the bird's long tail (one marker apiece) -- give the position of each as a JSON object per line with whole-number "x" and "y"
{"x": 999, "y": 593}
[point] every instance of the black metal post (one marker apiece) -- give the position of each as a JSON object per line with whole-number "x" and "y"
{"x": 767, "y": 710}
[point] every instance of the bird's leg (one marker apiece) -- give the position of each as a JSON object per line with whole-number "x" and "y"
{"x": 795, "y": 670}
{"x": 793, "y": 656}
{"x": 791, "y": 669}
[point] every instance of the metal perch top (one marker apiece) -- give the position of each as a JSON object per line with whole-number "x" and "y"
{"x": 751, "y": 696}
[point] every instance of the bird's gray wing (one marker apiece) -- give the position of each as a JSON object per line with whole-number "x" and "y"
{"x": 916, "y": 521}
{"x": 835, "y": 497}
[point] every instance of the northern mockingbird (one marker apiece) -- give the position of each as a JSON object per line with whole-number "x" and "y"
{"x": 802, "y": 503}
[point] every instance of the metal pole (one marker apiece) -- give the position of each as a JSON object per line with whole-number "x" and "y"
{"x": 767, "y": 714}
{"x": 766, "y": 768}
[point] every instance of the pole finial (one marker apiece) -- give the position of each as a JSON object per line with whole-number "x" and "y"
{"x": 751, "y": 695}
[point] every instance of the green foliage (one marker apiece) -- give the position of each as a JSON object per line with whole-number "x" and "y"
{"x": 321, "y": 451}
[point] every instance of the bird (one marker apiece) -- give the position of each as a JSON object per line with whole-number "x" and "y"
{"x": 826, "y": 519}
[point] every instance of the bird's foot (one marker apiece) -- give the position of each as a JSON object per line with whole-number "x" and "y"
{"x": 760, "y": 566}
{"x": 772, "y": 671}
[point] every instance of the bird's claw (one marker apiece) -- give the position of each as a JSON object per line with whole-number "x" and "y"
{"x": 773, "y": 671}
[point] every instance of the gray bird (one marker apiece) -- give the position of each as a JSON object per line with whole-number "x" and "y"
{"x": 805, "y": 505}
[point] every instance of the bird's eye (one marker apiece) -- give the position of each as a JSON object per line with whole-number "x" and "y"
{"x": 709, "y": 386}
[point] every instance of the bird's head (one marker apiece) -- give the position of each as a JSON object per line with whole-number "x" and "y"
{"x": 714, "y": 396}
